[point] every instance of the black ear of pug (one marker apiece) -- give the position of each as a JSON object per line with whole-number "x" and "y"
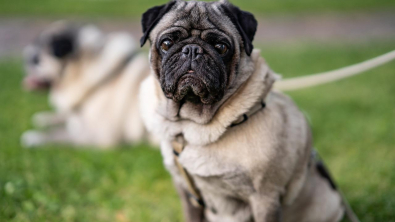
{"x": 62, "y": 45}
{"x": 151, "y": 17}
{"x": 245, "y": 23}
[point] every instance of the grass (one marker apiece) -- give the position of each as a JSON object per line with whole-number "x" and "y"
{"x": 134, "y": 8}
{"x": 61, "y": 184}
{"x": 353, "y": 123}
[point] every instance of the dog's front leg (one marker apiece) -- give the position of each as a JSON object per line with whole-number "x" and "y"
{"x": 266, "y": 208}
{"x": 191, "y": 213}
{"x": 48, "y": 119}
{"x": 35, "y": 138}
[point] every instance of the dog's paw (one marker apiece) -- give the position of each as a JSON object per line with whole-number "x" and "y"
{"x": 31, "y": 139}
{"x": 43, "y": 119}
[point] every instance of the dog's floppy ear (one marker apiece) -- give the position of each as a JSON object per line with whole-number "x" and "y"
{"x": 245, "y": 23}
{"x": 62, "y": 45}
{"x": 151, "y": 17}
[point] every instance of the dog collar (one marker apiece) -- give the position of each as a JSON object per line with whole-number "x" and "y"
{"x": 243, "y": 118}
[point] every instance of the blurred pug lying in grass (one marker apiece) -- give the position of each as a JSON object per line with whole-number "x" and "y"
{"x": 93, "y": 81}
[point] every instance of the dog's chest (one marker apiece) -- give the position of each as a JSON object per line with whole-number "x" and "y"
{"x": 215, "y": 173}
{"x": 230, "y": 161}
{"x": 212, "y": 171}
{"x": 225, "y": 185}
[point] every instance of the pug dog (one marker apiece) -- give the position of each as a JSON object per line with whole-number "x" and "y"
{"x": 93, "y": 81}
{"x": 237, "y": 150}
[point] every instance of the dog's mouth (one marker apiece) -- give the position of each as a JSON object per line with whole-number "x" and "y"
{"x": 191, "y": 88}
{"x": 32, "y": 83}
{"x": 200, "y": 81}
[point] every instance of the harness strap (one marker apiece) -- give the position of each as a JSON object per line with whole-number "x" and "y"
{"x": 179, "y": 144}
{"x": 245, "y": 116}
{"x": 193, "y": 192}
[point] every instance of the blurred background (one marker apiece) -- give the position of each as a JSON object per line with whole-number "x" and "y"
{"x": 353, "y": 120}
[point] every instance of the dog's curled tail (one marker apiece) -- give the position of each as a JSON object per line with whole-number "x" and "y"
{"x": 331, "y": 76}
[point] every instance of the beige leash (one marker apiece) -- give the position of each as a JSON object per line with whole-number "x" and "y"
{"x": 331, "y": 76}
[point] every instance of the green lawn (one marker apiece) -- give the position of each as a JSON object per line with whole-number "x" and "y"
{"x": 134, "y": 8}
{"x": 353, "y": 123}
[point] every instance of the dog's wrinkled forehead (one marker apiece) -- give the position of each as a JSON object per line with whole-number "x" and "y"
{"x": 195, "y": 15}
{"x": 195, "y": 18}
{"x": 201, "y": 16}
{"x": 190, "y": 16}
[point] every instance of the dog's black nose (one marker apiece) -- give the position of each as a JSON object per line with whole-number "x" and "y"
{"x": 192, "y": 51}
{"x": 35, "y": 60}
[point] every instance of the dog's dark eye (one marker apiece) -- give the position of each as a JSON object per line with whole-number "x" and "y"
{"x": 221, "y": 48}
{"x": 166, "y": 44}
